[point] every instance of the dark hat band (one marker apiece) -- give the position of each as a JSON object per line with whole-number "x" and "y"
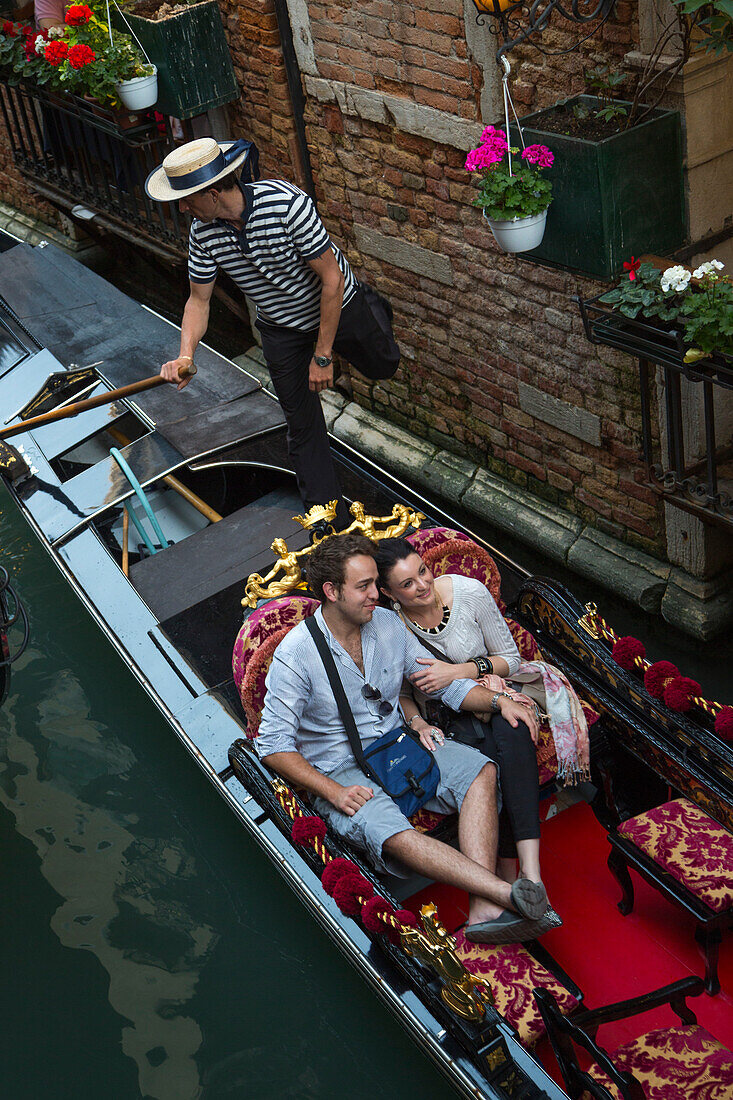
{"x": 199, "y": 176}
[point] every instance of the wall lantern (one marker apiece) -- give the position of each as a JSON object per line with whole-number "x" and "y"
{"x": 515, "y": 21}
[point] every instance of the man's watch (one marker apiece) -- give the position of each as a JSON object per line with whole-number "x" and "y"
{"x": 323, "y": 360}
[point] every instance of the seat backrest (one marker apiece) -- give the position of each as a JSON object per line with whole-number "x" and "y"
{"x": 256, "y": 642}
{"x": 565, "y": 1036}
{"x": 447, "y": 551}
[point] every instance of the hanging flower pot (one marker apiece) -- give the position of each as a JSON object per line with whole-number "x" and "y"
{"x": 140, "y": 92}
{"x": 513, "y": 193}
{"x": 518, "y": 234}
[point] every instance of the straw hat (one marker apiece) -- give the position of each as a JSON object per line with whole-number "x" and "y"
{"x": 195, "y": 166}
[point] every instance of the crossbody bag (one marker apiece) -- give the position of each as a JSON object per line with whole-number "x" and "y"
{"x": 396, "y": 761}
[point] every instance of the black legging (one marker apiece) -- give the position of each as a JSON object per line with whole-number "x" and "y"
{"x": 513, "y": 750}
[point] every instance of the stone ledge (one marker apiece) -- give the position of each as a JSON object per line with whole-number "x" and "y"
{"x": 637, "y": 577}
{"x": 411, "y": 118}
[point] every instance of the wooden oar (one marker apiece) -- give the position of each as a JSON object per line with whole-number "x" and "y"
{"x": 92, "y": 403}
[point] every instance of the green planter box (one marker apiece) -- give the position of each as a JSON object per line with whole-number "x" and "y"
{"x": 190, "y": 49}
{"x": 614, "y": 198}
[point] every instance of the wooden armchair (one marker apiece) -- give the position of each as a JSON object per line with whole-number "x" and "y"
{"x": 683, "y": 1062}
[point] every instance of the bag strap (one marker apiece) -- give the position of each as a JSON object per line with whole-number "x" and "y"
{"x": 475, "y": 722}
{"x": 345, "y": 711}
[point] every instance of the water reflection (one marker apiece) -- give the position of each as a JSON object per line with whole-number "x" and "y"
{"x": 130, "y": 899}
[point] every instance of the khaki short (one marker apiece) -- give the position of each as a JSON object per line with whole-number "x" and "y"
{"x": 380, "y": 818}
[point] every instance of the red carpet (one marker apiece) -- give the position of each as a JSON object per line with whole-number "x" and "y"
{"x": 612, "y": 957}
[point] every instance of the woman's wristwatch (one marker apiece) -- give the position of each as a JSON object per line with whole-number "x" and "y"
{"x": 411, "y": 720}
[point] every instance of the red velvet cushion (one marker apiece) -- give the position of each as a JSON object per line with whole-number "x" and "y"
{"x": 447, "y": 551}
{"x": 256, "y": 642}
{"x": 691, "y": 846}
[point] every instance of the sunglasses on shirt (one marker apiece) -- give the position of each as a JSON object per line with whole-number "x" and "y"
{"x": 372, "y": 693}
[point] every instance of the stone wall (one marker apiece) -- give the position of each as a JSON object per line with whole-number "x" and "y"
{"x": 495, "y": 364}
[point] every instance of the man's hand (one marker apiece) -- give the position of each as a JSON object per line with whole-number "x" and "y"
{"x": 351, "y": 799}
{"x": 514, "y": 713}
{"x": 320, "y": 378}
{"x": 437, "y": 675}
{"x": 170, "y": 370}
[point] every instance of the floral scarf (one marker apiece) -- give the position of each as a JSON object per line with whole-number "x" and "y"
{"x": 548, "y": 687}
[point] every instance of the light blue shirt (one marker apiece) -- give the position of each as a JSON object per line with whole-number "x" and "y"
{"x": 300, "y": 713}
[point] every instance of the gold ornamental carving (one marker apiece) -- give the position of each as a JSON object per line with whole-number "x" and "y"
{"x": 464, "y": 994}
{"x": 286, "y": 575}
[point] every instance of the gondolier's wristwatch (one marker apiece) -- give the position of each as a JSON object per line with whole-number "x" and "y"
{"x": 323, "y": 360}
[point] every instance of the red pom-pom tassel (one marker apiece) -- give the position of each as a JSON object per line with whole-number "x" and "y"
{"x": 350, "y": 892}
{"x": 658, "y": 675}
{"x": 306, "y": 829}
{"x": 371, "y": 914}
{"x": 626, "y": 651}
{"x": 406, "y": 916}
{"x": 679, "y": 694}
{"x": 724, "y": 723}
{"x": 335, "y": 870}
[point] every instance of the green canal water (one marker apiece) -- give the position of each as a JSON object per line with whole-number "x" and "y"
{"x": 148, "y": 948}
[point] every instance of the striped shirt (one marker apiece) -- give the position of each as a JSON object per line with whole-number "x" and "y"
{"x": 268, "y": 257}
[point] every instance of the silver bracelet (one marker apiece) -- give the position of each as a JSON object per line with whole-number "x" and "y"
{"x": 495, "y": 708}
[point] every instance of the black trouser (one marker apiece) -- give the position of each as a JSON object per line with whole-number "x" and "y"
{"x": 365, "y": 339}
{"x": 513, "y": 750}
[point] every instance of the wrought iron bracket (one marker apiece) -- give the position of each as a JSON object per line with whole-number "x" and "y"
{"x": 524, "y": 20}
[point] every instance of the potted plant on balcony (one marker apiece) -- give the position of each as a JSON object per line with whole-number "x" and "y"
{"x": 667, "y": 314}
{"x": 186, "y": 41}
{"x": 513, "y": 193}
{"x": 625, "y": 192}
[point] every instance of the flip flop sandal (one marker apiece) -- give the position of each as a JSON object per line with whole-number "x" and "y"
{"x": 529, "y": 898}
{"x": 506, "y": 928}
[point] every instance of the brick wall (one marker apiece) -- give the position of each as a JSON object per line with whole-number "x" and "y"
{"x": 264, "y": 112}
{"x": 16, "y": 192}
{"x": 483, "y": 323}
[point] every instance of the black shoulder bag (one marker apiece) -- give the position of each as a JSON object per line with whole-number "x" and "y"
{"x": 396, "y": 761}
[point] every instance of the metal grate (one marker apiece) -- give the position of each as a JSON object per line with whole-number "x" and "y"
{"x": 78, "y": 153}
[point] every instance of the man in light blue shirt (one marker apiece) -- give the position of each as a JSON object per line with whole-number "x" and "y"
{"x": 302, "y": 738}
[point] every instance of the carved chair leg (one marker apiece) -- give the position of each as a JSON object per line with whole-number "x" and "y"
{"x": 619, "y": 870}
{"x": 708, "y": 940}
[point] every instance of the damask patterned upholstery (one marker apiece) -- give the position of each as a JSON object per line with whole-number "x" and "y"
{"x": 674, "y": 1063}
{"x": 255, "y": 645}
{"x": 512, "y": 973}
{"x": 691, "y": 846}
{"x": 447, "y": 551}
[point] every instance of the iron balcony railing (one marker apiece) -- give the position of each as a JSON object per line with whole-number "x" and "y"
{"x": 79, "y": 154}
{"x": 686, "y": 461}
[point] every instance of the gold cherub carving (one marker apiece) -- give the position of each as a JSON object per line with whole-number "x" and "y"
{"x": 286, "y": 574}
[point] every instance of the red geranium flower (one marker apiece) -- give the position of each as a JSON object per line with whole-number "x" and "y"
{"x": 78, "y": 14}
{"x": 56, "y": 52}
{"x": 9, "y": 29}
{"x": 81, "y": 55}
{"x": 632, "y": 266}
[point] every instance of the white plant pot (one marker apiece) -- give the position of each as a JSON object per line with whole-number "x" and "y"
{"x": 519, "y": 234}
{"x": 139, "y": 93}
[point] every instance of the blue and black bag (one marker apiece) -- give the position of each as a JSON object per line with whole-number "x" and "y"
{"x": 396, "y": 761}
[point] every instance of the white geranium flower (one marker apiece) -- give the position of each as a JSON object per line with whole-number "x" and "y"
{"x": 56, "y": 32}
{"x": 675, "y": 278}
{"x": 708, "y": 268}
{"x": 40, "y": 44}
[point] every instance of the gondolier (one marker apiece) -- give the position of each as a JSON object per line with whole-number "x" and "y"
{"x": 267, "y": 235}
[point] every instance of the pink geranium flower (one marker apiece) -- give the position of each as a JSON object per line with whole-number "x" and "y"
{"x": 539, "y": 155}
